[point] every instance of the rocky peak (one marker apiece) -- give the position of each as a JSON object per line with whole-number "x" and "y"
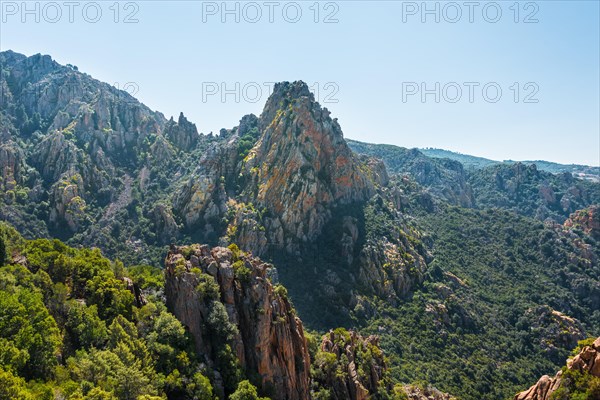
{"x": 182, "y": 134}
{"x": 260, "y": 325}
{"x": 301, "y": 164}
{"x": 67, "y": 99}
{"x": 283, "y": 94}
{"x": 10, "y": 57}
{"x": 30, "y": 69}
{"x": 247, "y": 124}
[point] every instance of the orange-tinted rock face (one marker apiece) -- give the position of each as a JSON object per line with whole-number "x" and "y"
{"x": 269, "y": 341}
{"x": 587, "y": 220}
{"x": 301, "y": 164}
{"x": 587, "y": 361}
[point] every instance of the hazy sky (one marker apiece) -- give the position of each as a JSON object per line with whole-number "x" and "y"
{"x": 369, "y": 62}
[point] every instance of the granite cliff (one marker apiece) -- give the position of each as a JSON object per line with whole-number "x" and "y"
{"x": 261, "y": 327}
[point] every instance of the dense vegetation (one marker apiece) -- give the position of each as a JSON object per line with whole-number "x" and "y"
{"x": 481, "y": 326}
{"x": 494, "y": 312}
{"x": 70, "y": 327}
{"x": 577, "y": 386}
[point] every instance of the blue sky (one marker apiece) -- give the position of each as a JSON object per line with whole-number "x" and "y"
{"x": 364, "y": 66}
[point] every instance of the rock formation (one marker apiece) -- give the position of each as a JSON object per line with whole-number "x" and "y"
{"x": 587, "y": 220}
{"x": 442, "y": 177}
{"x": 69, "y": 126}
{"x": 135, "y": 290}
{"x": 351, "y": 366}
{"x": 182, "y": 133}
{"x": 532, "y": 192}
{"x": 555, "y": 330}
{"x": 301, "y": 166}
{"x": 269, "y": 339}
{"x": 11, "y": 165}
{"x": 103, "y": 169}
{"x": 587, "y": 362}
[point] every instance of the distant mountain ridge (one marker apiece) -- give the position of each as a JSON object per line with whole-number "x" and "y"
{"x": 521, "y": 187}
{"x": 469, "y": 161}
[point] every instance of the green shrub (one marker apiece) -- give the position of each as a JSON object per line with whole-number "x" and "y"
{"x": 281, "y": 291}
{"x": 581, "y": 344}
{"x": 242, "y": 272}
{"x": 235, "y": 250}
{"x": 207, "y": 287}
{"x": 146, "y": 276}
{"x": 246, "y": 391}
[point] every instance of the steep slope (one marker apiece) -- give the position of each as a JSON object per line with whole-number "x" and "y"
{"x": 303, "y": 199}
{"x": 85, "y": 162}
{"x": 74, "y": 325}
{"x": 474, "y": 301}
{"x": 349, "y": 366}
{"x": 580, "y": 379}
